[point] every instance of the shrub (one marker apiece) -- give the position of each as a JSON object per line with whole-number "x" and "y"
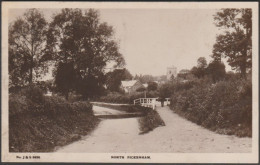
{"x": 18, "y": 104}
{"x": 226, "y": 105}
{"x": 150, "y": 121}
{"x": 33, "y": 93}
{"x": 31, "y": 100}
{"x": 38, "y": 125}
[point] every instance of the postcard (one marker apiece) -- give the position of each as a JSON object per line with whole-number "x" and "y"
{"x": 130, "y": 82}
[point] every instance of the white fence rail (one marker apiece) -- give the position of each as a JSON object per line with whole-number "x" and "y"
{"x": 145, "y": 102}
{"x": 149, "y": 102}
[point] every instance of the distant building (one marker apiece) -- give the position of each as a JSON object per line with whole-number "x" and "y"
{"x": 145, "y": 85}
{"x": 171, "y": 72}
{"x": 131, "y": 86}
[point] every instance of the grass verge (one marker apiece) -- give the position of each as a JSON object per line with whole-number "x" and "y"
{"x": 40, "y": 125}
{"x": 150, "y": 121}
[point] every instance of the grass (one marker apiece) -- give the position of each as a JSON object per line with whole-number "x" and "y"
{"x": 42, "y": 132}
{"x": 150, "y": 121}
{"x": 40, "y": 124}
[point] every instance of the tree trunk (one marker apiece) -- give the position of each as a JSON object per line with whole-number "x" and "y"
{"x": 243, "y": 66}
{"x": 31, "y": 71}
{"x": 31, "y": 65}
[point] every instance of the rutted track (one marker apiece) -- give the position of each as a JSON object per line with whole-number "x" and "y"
{"x": 179, "y": 135}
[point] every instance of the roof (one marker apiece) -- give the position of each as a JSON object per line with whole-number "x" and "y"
{"x": 128, "y": 83}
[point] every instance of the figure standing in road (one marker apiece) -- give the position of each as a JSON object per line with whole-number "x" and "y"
{"x": 161, "y": 99}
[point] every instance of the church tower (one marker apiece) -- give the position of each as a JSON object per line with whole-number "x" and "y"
{"x": 171, "y": 72}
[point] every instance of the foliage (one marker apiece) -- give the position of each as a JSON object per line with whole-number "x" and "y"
{"x": 150, "y": 121}
{"x": 202, "y": 62}
{"x": 162, "y": 78}
{"x": 113, "y": 79}
{"x": 91, "y": 86}
{"x": 225, "y": 107}
{"x": 216, "y": 70}
{"x": 166, "y": 90}
{"x": 78, "y": 37}
{"x": 145, "y": 78}
{"x": 41, "y": 126}
{"x": 44, "y": 85}
{"x": 183, "y": 74}
{"x": 33, "y": 93}
{"x": 65, "y": 78}
{"x": 141, "y": 89}
{"x": 26, "y": 48}
{"x": 152, "y": 86}
{"x": 32, "y": 100}
{"x": 236, "y": 41}
{"x": 200, "y": 70}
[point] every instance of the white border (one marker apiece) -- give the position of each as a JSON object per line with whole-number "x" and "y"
{"x": 155, "y": 157}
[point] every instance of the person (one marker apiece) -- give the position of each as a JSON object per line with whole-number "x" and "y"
{"x": 161, "y": 99}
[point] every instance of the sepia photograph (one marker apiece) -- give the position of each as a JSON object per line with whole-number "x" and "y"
{"x": 130, "y": 82}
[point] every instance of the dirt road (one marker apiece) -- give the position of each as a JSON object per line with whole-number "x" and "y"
{"x": 179, "y": 135}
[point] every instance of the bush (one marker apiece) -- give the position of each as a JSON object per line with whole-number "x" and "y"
{"x": 33, "y": 93}
{"x": 226, "y": 105}
{"x": 39, "y": 125}
{"x": 18, "y": 104}
{"x": 150, "y": 121}
{"x": 50, "y": 105}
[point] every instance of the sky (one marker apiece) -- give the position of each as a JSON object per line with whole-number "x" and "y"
{"x": 153, "y": 39}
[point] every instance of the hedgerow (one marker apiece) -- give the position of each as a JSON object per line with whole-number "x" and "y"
{"x": 39, "y": 123}
{"x": 224, "y": 107}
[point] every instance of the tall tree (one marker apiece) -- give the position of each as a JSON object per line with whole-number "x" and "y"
{"x": 152, "y": 86}
{"x": 166, "y": 90}
{"x": 27, "y": 41}
{"x": 79, "y": 37}
{"x": 65, "y": 78}
{"x": 144, "y": 78}
{"x": 113, "y": 79}
{"x": 202, "y": 62}
{"x": 200, "y": 70}
{"x": 236, "y": 41}
{"x": 216, "y": 70}
{"x": 184, "y": 74}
